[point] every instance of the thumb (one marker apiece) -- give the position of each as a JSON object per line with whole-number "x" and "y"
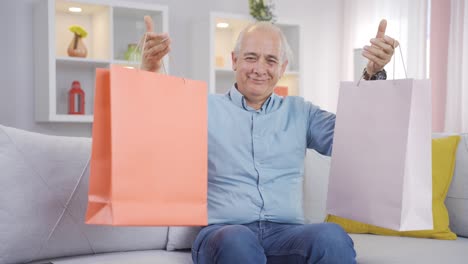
{"x": 148, "y": 23}
{"x": 382, "y": 28}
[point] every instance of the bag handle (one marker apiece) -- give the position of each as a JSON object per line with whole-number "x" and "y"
{"x": 394, "y": 64}
{"x": 402, "y": 61}
{"x": 141, "y": 46}
{"x": 65, "y": 210}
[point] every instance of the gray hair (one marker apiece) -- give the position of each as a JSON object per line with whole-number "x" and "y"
{"x": 285, "y": 50}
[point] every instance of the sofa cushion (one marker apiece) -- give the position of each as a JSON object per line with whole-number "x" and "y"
{"x": 317, "y": 169}
{"x": 135, "y": 257}
{"x": 315, "y": 188}
{"x": 43, "y": 199}
{"x": 457, "y": 197}
{"x": 403, "y": 250}
{"x": 443, "y": 164}
{"x": 181, "y": 237}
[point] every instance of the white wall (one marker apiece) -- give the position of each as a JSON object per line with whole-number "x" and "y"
{"x": 322, "y": 33}
{"x": 321, "y": 49}
{"x": 7, "y": 71}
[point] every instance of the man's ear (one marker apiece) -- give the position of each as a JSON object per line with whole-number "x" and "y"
{"x": 234, "y": 61}
{"x": 283, "y": 67}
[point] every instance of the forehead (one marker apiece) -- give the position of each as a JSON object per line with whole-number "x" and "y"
{"x": 262, "y": 41}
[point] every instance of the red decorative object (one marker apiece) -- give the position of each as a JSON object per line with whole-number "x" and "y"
{"x": 281, "y": 90}
{"x": 76, "y": 99}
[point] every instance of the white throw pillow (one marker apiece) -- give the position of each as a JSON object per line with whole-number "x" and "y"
{"x": 43, "y": 200}
{"x": 316, "y": 172}
{"x": 457, "y": 197}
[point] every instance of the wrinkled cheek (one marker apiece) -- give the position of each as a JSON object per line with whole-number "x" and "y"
{"x": 273, "y": 74}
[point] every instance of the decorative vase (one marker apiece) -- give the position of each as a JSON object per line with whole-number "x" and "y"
{"x": 132, "y": 54}
{"x": 77, "y": 47}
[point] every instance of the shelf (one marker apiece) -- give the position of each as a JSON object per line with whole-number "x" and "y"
{"x": 227, "y": 70}
{"x": 292, "y": 82}
{"x": 291, "y": 33}
{"x": 217, "y": 71}
{"x": 94, "y": 18}
{"x": 224, "y": 81}
{"x": 111, "y": 25}
{"x": 130, "y": 64}
{"x": 291, "y": 73}
{"x": 131, "y": 27}
{"x": 72, "y": 118}
{"x": 81, "y": 61}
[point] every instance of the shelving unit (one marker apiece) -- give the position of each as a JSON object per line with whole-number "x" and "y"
{"x": 111, "y": 27}
{"x": 217, "y": 70}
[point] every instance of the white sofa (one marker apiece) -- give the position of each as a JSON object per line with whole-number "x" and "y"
{"x": 43, "y": 197}
{"x": 387, "y": 249}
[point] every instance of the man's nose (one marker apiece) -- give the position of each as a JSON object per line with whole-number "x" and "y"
{"x": 260, "y": 66}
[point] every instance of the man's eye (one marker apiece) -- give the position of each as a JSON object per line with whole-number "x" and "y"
{"x": 250, "y": 58}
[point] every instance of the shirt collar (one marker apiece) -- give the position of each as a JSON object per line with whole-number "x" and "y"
{"x": 238, "y": 99}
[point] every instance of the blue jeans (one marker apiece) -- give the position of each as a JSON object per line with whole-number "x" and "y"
{"x": 267, "y": 242}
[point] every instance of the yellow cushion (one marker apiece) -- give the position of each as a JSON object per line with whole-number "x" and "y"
{"x": 443, "y": 164}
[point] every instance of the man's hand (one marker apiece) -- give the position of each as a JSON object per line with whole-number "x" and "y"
{"x": 156, "y": 47}
{"x": 381, "y": 51}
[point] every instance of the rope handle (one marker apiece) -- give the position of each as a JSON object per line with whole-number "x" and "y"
{"x": 394, "y": 64}
{"x": 141, "y": 46}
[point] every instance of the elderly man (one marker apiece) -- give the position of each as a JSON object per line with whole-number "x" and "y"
{"x": 256, "y": 147}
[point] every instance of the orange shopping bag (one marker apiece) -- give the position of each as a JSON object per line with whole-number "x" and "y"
{"x": 149, "y": 150}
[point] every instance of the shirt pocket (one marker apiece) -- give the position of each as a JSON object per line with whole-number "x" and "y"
{"x": 285, "y": 150}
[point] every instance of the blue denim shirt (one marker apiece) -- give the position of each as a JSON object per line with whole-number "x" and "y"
{"x": 256, "y": 157}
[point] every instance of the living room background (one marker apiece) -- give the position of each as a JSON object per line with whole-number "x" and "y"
{"x": 328, "y": 32}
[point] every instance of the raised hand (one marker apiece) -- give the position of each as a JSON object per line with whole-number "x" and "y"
{"x": 380, "y": 51}
{"x": 156, "y": 47}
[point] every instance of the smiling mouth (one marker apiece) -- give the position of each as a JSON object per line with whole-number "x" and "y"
{"x": 258, "y": 80}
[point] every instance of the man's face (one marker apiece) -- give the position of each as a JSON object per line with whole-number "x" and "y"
{"x": 258, "y": 65}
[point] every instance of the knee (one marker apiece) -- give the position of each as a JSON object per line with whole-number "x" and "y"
{"x": 332, "y": 233}
{"x": 335, "y": 244}
{"x": 232, "y": 244}
{"x": 234, "y": 237}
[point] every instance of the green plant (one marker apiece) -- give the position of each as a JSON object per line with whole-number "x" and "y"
{"x": 81, "y": 32}
{"x": 261, "y": 11}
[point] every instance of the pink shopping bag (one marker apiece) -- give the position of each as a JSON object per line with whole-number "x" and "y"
{"x": 381, "y": 167}
{"x": 149, "y": 155}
